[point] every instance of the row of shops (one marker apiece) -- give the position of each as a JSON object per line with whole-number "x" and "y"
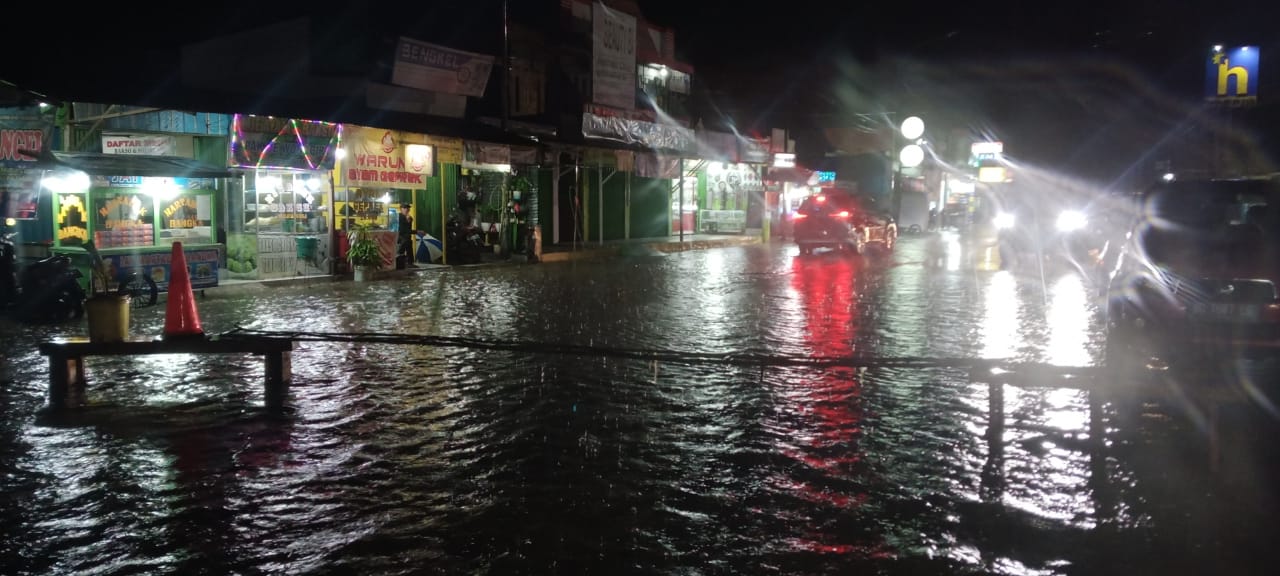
{"x": 259, "y": 198}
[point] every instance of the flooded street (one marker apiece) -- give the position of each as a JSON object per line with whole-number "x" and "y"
{"x": 402, "y": 459}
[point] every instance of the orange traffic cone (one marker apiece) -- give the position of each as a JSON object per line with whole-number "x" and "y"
{"x": 181, "y": 320}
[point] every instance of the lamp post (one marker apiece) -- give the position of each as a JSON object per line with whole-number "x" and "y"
{"x": 909, "y": 156}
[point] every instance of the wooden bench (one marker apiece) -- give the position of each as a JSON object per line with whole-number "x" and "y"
{"x": 67, "y": 380}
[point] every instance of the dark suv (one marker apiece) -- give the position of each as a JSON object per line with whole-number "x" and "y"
{"x": 836, "y": 218}
{"x": 1198, "y": 272}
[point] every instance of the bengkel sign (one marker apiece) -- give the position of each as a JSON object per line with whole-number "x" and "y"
{"x": 130, "y": 145}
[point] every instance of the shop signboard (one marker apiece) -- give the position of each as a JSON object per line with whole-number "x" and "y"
{"x": 377, "y": 158}
{"x": 754, "y": 150}
{"x": 447, "y": 150}
{"x": 139, "y": 144}
{"x": 202, "y": 266}
{"x": 439, "y": 69}
{"x": 269, "y": 142}
{"x": 1231, "y": 75}
{"x": 481, "y": 153}
{"x": 613, "y": 57}
{"x": 22, "y": 128}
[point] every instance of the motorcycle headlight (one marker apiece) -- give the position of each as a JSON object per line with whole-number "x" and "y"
{"x": 1072, "y": 220}
{"x": 1003, "y": 221}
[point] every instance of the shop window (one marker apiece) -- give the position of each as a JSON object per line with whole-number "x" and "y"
{"x": 122, "y": 219}
{"x": 187, "y": 218}
{"x": 285, "y": 202}
{"x": 363, "y": 206}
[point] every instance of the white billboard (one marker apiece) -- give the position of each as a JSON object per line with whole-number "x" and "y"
{"x": 613, "y": 57}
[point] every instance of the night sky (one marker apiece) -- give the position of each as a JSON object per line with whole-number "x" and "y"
{"x": 1053, "y": 77}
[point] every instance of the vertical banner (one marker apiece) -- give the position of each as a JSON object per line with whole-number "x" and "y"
{"x": 613, "y": 57}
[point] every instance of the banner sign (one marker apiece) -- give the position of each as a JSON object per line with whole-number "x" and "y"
{"x": 139, "y": 181}
{"x": 446, "y": 150}
{"x": 648, "y": 134}
{"x": 142, "y": 144}
{"x": 613, "y": 57}
{"x": 439, "y": 69}
{"x": 754, "y": 150}
{"x": 268, "y": 142}
{"x": 377, "y": 158}
{"x": 202, "y": 266}
{"x": 1231, "y": 75}
{"x": 14, "y": 139}
{"x": 481, "y": 153}
{"x": 19, "y": 193}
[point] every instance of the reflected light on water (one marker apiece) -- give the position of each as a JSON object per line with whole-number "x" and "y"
{"x": 1000, "y": 316}
{"x": 1068, "y": 322}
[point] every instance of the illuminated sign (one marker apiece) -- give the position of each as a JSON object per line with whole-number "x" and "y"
{"x": 1231, "y": 74}
{"x": 826, "y": 176}
{"x": 991, "y": 149}
{"x": 992, "y": 174}
{"x": 782, "y": 160}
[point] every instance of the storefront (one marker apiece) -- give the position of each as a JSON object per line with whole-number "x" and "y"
{"x": 380, "y": 170}
{"x": 281, "y": 207}
{"x": 134, "y": 209}
{"x": 484, "y": 188}
{"x": 21, "y": 204}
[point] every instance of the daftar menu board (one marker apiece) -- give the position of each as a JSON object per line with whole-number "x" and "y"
{"x": 202, "y": 266}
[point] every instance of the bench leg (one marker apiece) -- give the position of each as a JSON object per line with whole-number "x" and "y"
{"x": 66, "y": 382}
{"x": 279, "y": 373}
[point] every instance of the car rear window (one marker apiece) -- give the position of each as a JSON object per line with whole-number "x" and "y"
{"x": 825, "y": 202}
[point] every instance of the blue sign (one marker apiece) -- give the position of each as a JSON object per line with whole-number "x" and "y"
{"x": 824, "y": 176}
{"x": 202, "y": 266}
{"x": 1231, "y": 74}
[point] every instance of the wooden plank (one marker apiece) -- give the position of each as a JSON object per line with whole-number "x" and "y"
{"x": 138, "y": 346}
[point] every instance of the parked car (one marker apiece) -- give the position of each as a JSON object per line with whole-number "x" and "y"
{"x": 838, "y": 219}
{"x": 1197, "y": 276}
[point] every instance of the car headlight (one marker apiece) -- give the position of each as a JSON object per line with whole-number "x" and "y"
{"x": 1072, "y": 220}
{"x": 1003, "y": 220}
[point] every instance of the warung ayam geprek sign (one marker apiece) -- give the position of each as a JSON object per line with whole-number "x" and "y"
{"x": 378, "y": 158}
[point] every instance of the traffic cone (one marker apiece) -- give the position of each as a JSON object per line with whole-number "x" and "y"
{"x": 181, "y": 320}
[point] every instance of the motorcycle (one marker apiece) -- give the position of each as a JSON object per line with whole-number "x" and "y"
{"x": 465, "y": 242}
{"x": 49, "y": 292}
{"x": 8, "y": 269}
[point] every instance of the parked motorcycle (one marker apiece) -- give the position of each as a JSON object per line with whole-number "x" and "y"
{"x": 464, "y": 242}
{"x": 8, "y": 269}
{"x": 49, "y": 292}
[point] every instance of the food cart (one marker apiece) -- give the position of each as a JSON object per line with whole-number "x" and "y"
{"x": 134, "y": 208}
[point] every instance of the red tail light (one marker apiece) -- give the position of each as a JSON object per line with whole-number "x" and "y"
{"x": 799, "y": 216}
{"x": 821, "y": 199}
{"x": 842, "y": 214}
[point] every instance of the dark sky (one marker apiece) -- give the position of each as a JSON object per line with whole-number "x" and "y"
{"x": 1055, "y": 75}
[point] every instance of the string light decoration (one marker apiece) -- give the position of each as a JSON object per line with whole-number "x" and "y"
{"x": 245, "y": 157}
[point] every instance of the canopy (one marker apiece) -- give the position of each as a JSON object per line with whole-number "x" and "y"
{"x": 95, "y": 164}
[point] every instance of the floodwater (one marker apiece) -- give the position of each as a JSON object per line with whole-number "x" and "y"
{"x": 407, "y": 460}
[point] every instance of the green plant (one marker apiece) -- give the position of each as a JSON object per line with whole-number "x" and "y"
{"x": 364, "y": 249}
{"x": 100, "y": 272}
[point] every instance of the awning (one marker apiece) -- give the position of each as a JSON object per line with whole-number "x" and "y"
{"x": 125, "y": 165}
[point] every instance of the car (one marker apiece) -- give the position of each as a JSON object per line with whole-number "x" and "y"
{"x": 1197, "y": 275}
{"x": 837, "y": 218}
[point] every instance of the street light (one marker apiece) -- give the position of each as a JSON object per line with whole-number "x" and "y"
{"x": 911, "y": 155}
{"x": 912, "y": 128}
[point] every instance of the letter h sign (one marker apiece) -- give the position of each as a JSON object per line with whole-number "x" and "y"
{"x": 1232, "y": 74}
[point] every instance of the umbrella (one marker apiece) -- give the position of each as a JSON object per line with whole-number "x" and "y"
{"x": 429, "y": 248}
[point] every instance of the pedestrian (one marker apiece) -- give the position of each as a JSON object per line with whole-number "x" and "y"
{"x": 406, "y": 236}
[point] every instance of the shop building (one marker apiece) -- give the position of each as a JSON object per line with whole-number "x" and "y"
{"x": 280, "y": 207}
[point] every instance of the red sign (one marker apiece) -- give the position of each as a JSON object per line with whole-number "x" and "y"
{"x": 11, "y": 141}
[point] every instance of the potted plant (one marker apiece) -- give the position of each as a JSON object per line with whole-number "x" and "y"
{"x": 107, "y": 311}
{"x": 363, "y": 254}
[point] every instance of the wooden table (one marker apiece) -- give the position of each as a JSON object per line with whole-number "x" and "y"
{"x": 67, "y": 379}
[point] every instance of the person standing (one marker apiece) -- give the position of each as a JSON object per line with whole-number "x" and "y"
{"x": 406, "y": 237}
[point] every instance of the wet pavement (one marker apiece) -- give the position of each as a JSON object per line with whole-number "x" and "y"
{"x": 398, "y": 459}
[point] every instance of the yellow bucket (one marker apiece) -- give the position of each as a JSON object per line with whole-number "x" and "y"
{"x": 108, "y": 317}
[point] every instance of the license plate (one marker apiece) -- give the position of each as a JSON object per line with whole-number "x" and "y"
{"x": 1221, "y": 311}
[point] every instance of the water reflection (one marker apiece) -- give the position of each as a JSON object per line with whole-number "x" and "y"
{"x": 395, "y": 459}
